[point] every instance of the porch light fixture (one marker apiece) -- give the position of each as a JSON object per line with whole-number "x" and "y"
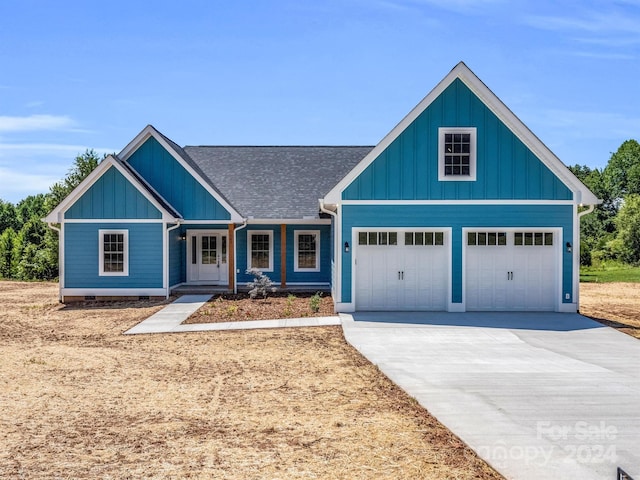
{"x": 569, "y": 247}
{"x": 183, "y": 236}
{"x": 346, "y": 247}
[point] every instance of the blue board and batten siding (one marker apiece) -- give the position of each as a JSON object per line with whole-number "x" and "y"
{"x": 82, "y": 262}
{"x": 175, "y": 184}
{"x": 408, "y": 168}
{"x": 112, "y": 196}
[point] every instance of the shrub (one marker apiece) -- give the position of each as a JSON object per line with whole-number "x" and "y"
{"x": 261, "y": 284}
{"x": 314, "y": 302}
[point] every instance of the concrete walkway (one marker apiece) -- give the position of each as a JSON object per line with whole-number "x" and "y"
{"x": 538, "y": 396}
{"x": 170, "y": 318}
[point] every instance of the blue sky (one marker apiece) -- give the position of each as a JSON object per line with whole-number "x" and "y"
{"x": 89, "y": 74}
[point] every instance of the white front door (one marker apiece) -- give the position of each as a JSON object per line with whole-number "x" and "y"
{"x": 512, "y": 270}
{"x": 207, "y": 257}
{"x": 402, "y": 270}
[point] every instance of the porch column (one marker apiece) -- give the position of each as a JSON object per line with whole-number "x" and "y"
{"x": 283, "y": 256}
{"x": 231, "y": 256}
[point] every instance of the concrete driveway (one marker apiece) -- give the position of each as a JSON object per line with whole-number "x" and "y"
{"x": 537, "y": 395}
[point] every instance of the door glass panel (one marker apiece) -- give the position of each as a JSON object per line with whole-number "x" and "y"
{"x": 194, "y": 250}
{"x": 548, "y": 238}
{"x": 528, "y": 238}
{"x": 408, "y": 238}
{"x": 518, "y": 239}
{"x": 224, "y": 249}
{"x": 428, "y": 238}
{"x": 439, "y": 238}
{"x": 382, "y": 237}
{"x": 502, "y": 238}
{"x": 362, "y": 238}
{"x": 471, "y": 238}
{"x": 393, "y": 238}
{"x": 209, "y": 250}
{"x": 419, "y": 238}
{"x": 373, "y": 238}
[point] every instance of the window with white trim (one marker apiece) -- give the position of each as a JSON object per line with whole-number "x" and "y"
{"x": 457, "y": 154}
{"x": 113, "y": 252}
{"x": 307, "y": 251}
{"x": 260, "y": 250}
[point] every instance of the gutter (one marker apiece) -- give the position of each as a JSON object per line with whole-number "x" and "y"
{"x": 60, "y": 260}
{"x": 336, "y": 248}
{"x": 235, "y": 255}
{"x": 587, "y": 211}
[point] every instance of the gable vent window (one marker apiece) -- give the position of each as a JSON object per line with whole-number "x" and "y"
{"x": 457, "y": 154}
{"x": 114, "y": 252}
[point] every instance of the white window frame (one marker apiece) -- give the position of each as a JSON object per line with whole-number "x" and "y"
{"x": 472, "y": 154}
{"x": 250, "y": 234}
{"x": 125, "y": 256}
{"x": 296, "y": 235}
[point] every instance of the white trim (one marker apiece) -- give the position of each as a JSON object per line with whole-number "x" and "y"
{"x": 165, "y": 258}
{"x": 558, "y": 246}
{"x": 207, "y": 222}
{"x": 289, "y": 221}
{"x": 57, "y": 214}
{"x": 150, "y": 131}
{"x": 457, "y": 202}
{"x": 581, "y": 193}
{"x": 345, "y": 307}
{"x": 296, "y": 234}
{"x": 118, "y": 220}
{"x": 271, "y": 248}
{"x": 125, "y": 253}
{"x": 568, "y": 308}
{"x": 448, "y": 231}
{"x": 113, "y": 292}
{"x": 223, "y": 278}
{"x": 472, "y": 131}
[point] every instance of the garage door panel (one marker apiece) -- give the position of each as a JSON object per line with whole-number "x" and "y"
{"x": 519, "y": 275}
{"x": 402, "y": 276}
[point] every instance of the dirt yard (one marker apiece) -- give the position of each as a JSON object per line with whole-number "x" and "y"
{"x": 80, "y": 400}
{"x": 614, "y": 304}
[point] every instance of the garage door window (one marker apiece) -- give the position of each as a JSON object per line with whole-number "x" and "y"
{"x": 487, "y": 239}
{"x": 424, "y": 238}
{"x": 378, "y": 238}
{"x": 527, "y": 239}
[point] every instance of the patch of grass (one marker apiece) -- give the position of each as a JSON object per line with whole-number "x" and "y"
{"x": 610, "y": 272}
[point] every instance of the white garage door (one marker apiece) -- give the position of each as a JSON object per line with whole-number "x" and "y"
{"x": 511, "y": 270}
{"x": 402, "y": 270}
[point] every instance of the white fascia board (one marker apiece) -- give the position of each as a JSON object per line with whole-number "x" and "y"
{"x": 457, "y": 202}
{"x": 150, "y": 131}
{"x": 582, "y": 195}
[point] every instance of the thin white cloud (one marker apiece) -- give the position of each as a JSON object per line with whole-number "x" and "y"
{"x": 18, "y": 185}
{"x": 35, "y": 123}
{"x": 37, "y": 148}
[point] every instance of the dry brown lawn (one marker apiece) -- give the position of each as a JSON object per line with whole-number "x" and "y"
{"x": 614, "y": 304}
{"x": 80, "y": 400}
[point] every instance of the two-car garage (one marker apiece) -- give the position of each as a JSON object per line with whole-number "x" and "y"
{"x": 506, "y": 269}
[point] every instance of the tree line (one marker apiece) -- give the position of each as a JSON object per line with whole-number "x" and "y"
{"x": 29, "y": 248}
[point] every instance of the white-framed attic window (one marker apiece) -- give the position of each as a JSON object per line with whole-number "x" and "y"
{"x": 260, "y": 250}
{"x": 307, "y": 251}
{"x": 113, "y": 253}
{"x": 457, "y": 154}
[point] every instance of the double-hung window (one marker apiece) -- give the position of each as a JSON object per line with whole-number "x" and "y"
{"x": 307, "y": 251}
{"x": 113, "y": 252}
{"x": 457, "y": 154}
{"x": 260, "y": 250}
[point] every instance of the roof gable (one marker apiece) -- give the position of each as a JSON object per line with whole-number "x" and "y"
{"x": 124, "y": 177}
{"x": 173, "y": 176}
{"x": 524, "y": 168}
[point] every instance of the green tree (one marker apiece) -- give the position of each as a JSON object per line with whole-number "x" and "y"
{"x": 622, "y": 173}
{"x": 83, "y": 165}
{"x": 628, "y": 223}
{"x": 7, "y": 239}
{"x": 8, "y": 216}
{"x": 34, "y": 206}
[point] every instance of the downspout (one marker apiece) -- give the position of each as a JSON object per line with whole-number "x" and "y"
{"x": 167, "y": 295}
{"x": 60, "y": 262}
{"x": 336, "y": 250}
{"x": 576, "y": 255}
{"x": 235, "y": 255}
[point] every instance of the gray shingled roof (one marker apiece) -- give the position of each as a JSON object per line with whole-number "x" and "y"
{"x": 275, "y": 182}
